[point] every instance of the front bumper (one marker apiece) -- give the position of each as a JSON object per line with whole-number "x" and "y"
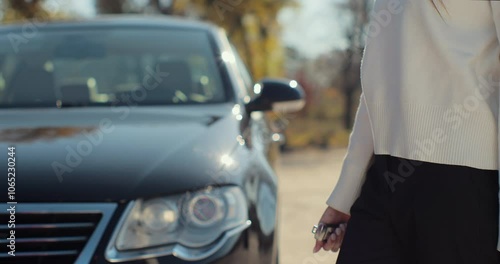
{"x": 246, "y": 244}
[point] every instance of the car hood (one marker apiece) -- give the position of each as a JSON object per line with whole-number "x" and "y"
{"x": 95, "y": 154}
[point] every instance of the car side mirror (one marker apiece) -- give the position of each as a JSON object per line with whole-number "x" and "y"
{"x": 277, "y": 95}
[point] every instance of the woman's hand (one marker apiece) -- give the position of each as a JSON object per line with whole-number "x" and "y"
{"x": 332, "y": 216}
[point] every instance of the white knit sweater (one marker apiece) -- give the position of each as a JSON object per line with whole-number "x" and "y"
{"x": 430, "y": 80}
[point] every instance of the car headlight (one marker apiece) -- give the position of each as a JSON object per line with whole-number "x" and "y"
{"x": 159, "y": 215}
{"x": 205, "y": 210}
{"x": 191, "y": 221}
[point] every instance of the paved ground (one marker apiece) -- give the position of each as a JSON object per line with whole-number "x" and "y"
{"x": 306, "y": 179}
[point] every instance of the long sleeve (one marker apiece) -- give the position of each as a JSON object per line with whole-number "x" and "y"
{"x": 356, "y": 162}
{"x": 495, "y": 7}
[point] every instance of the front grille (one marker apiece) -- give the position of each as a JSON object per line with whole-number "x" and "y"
{"x": 54, "y": 233}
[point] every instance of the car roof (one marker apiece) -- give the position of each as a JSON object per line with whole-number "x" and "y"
{"x": 115, "y": 21}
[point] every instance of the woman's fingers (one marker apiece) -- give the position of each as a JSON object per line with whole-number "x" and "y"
{"x": 340, "y": 232}
{"x": 318, "y": 246}
{"x": 338, "y": 241}
{"x": 330, "y": 216}
{"x": 330, "y": 242}
{"x": 333, "y": 242}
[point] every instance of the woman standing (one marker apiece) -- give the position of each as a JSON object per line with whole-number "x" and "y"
{"x": 419, "y": 183}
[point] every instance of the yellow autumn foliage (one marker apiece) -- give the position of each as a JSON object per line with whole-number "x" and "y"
{"x": 34, "y": 10}
{"x": 251, "y": 25}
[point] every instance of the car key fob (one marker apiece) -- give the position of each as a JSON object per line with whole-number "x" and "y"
{"x": 323, "y": 231}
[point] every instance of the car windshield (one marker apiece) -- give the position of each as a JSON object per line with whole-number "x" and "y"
{"x": 80, "y": 67}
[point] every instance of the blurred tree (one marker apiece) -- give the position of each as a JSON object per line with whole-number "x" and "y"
{"x": 39, "y": 10}
{"x": 350, "y": 71}
{"x": 27, "y": 9}
{"x": 253, "y": 28}
{"x": 110, "y": 6}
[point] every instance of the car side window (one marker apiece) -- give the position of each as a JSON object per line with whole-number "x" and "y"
{"x": 245, "y": 75}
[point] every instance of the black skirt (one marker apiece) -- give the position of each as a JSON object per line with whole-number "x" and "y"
{"x": 419, "y": 212}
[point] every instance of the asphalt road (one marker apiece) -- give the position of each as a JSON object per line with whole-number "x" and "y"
{"x": 306, "y": 180}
